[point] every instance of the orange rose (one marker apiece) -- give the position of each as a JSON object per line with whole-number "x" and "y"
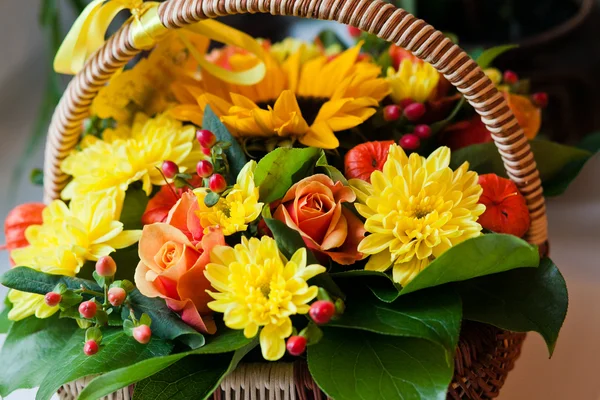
{"x": 172, "y": 266}
{"x": 183, "y": 216}
{"x": 314, "y": 208}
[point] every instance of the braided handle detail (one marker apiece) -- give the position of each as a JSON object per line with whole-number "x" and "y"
{"x": 374, "y": 16}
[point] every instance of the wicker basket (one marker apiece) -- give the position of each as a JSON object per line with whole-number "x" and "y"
{"x": 485, "y": 354}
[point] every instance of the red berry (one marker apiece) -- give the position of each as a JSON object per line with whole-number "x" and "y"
{"x": 116, "y": 296}
{"x": 88, "y": 309}
{"x": 106, "y": 266}
{"x": 414, "y": 111}
{"x": 410, "y": 142}
{"x": 540, "y": 99}
{"x": 392, "y": 113}
{"x": 206, "y": 138}
{"x": 170, "y": 169}
{"x": 406, "y": 102}
{"x": 511, "y": 77}
{"x": 354, "y": 32}
{"x": 322, "y": 311}
{"x": 423, "y": 131}
{"x": 142, "y": 334}
{"x": 90, "y": 348}
{"x": 206, "y": 152}
{"x": 217, "y": 183}
{"x": 296, "y": 345}
{"x": 204, "y": 168}
{"x": 52, "y": 299}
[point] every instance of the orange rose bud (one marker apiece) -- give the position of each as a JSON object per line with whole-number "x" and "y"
{"x": 505, "y": 207}
{"x": 362, "y": 160}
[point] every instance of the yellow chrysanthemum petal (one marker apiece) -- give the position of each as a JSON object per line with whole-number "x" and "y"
{"x": 414, "y": 80}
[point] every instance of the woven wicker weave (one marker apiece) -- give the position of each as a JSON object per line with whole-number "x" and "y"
{"x": 485, "y": 354}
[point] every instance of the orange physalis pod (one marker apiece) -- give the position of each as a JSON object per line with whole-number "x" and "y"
{"x": 365, "y": 158}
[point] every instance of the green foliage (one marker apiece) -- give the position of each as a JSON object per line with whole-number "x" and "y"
{"x": 116, "y": 351}
{"x": 30, "y": 350}
{"x": 487, "y": 57}
{"x": 381, "y": 284}
{"x": 329, "y": 38}
{"x": 32, "y": 281}
{"x": 521, "y": 300}
{"x": 235, "y": 154}
{"x": 334, "y": 173}
{"x": 5, "y": 323}
{"x": 133, "y": 208}
{"x": 281, "y": 168}
{"x": 351, "y": 365}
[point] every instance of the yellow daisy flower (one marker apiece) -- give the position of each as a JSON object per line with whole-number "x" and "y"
{"x": 414, "y": 80}
{"x": 257, "y": 287}
{"x": 416, "y": 209}
{"x": 129, "y": 154}
{"x": 237, "y": 209}
{"x": 303, "y": 100}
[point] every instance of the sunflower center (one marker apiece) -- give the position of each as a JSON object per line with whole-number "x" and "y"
{"x": 309, "y": 106}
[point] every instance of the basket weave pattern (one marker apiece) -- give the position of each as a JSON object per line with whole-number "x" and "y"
{"x": 485, "y": 354}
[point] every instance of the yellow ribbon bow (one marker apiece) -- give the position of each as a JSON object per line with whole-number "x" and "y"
{"x": 89, "y": 30}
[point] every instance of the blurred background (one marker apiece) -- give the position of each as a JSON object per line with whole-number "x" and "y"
{"x": 559, "y": 51}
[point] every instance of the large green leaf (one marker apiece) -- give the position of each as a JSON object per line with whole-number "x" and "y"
{"x": 117, "y": 350}
{"x": 480, "y": 256}
{"x": 361, "y": 365}
{"x": 487, "y": 57}
{"x": 434, "y": 315}
{"x": 235, "y": 154}
{"x": 558, "y": 164}
{"x": 381, "y": 284}
{"x": 165, "y": 323}
{"x": 224, "y": 342}
{"x": 5, "y": 323}
{"x": 281, "y": 168}
{"x": 30, "y": 350}
{"x": 521, "y": 300}
{"x": 32, "y": 281}
{"x": 192, "y": 378}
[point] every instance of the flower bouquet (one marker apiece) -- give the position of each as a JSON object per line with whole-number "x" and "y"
{"x": 227, "y": 219}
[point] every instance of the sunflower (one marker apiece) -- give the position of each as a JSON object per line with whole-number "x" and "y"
{"x": 301, "y": 98}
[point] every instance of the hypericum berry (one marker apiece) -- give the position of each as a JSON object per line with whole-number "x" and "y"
{"x": 170, "y": 169}
{"x": 414, "y": 111}
{"x": 206, "y": 151}
{"x": 406, "y": 102}
{"x": 392, "y": 113}
{"x": 116, "y": 296}
{"x": 354, "y": 32}
{"x": 52, "y": 299}
{"x": 90, "y": 347}
{"x": 204, "y": 168}
{"x": 296, "y": 345}
{"x": 540, "y": 99}
{"x": 106, "y": 266}
{"x": 142, "y": 334}
{"x": 206, "y": 138}
{"x": 410, "y": 142}
{"x": 510, "y": 77}
{"x": 423, "y": 131}
{"x": 88, "y": 309}
{"x": 217, "y": 183}
{"x": 322, "y": 311}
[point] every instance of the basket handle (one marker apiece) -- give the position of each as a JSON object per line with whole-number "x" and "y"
{"x": 375, "y": 16}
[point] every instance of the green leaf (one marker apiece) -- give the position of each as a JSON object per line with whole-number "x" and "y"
{"x": 381, "y": 284}
{"x": 235, "y": 154}
{"x": 225, "y": 341}
{"x": 434, "y": 315}
{"x": 558, "y": 164}
{"x": 116, "y": 351}
{"x": 362, "y": 365}
{"x": 192, "y": 378}
{"x": 5, "y": 323}
{"x": 211, "y": 199}
{"x": 487, "y": 57}
{"x": 330, "y": 38}
{"x": 165, "y": 323}
{"x": 37, "y": 177}
{"x": 133, "y": 208}
{"x": 521, "y": 300}
{"x": 32, "y": 281}
{"x": 483, "y": 255}
{"x": 30, "y": 350}
{"x": 281, "y": 168}
{"x": 334, "y": 173}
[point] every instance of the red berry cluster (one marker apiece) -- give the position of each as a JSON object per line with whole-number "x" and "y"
{"x": 204, "y": 168}
{"x": 411, "y": 110}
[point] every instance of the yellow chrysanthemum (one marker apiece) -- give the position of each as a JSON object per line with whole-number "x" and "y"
{"x": 414, "y": 80}
{"x": 129, "y": 154}
{"x": 257, "y": 287}
{"x": 237, "y": 209}
{"x": 416, "y": 209}
{"x": 302, "y": 100}
{"x": 69, "y": 236}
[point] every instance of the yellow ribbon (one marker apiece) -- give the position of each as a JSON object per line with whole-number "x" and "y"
{"x": 89, "y": 30}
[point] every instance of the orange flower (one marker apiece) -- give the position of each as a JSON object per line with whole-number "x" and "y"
{"x": 159, "y": 206}
{"x": 314, "y": 208}
{"x": 528, "y": 114}
{"x": 173, "y": 262}
{"x": 505, "y": 207}
{"x": 362, "y": 160}
{"x": 466, "y": 133}
{"x": 17, "y": 221}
